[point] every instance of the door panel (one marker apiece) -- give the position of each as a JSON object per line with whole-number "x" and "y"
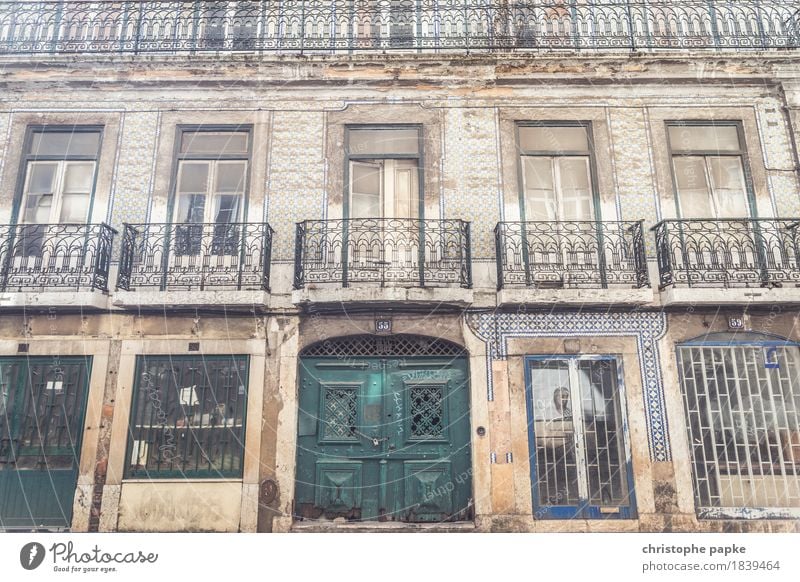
{"x": 428, "y": 490}
{"x": 399, "y": 434}
{"x": 339, "y": 487}
{"x": 41, "y": 425}
{"x": 580, "y": 459}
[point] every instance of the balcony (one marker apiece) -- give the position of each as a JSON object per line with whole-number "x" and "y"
{"x": 55, "y": 265}
{"x": 192, "y": 265}
{"x": 389, "y": 260}
{"x": 345, "y": 26}
{"x": 735, "y": 260}
{"x": 571, "y": 262}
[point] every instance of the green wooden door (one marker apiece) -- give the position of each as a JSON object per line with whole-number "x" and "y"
{"x": 42, "y": 404}
{"x": 384, "y": 439}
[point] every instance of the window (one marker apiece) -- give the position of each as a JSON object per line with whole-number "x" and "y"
{"x": 188, "y": 416}
{"x": 556, "y": 171}
{"x": 579, "y": 450}
{"x": 58, "y": 178}
{"x": 59, "y": 173}
{"x": 742, "y": 398}
{"x": 210, "y": 190}
{"x": 709, "y": 169}
{"x": 384, "y": 172}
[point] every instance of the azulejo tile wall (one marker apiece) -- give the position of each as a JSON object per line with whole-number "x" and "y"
{"x": 295, "y": 177}
{"x": 781, "y": 176}
{"x": 634, "y": 174}
{"x": 646, "y": 326}
{"x": 132, "y": 190}
{"x": 470, "y": 174}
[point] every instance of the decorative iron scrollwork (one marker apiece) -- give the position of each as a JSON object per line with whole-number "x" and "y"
{"x": 387, "y": 251}
{"x": 375, "y": 345}
{"x": 733, "y": 252}
{"x": 55, "y": 256}
{"x": 196, "y": 256}
{"x": 325, "y": 27}
{"x": 571, "y": 254}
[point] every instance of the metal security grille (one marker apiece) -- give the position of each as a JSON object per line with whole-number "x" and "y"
{"x": 427, "y": 411}
{"x": 578, "y": 438}
{"x": 377, "y": 345}
{"x": 188, "y": 416}
{"x": 340, "y": 414}
{"x": 743, "y": 407}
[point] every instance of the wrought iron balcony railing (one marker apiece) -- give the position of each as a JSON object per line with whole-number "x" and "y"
{"x": 728, "y": 252}
{"x": 388, "y": 251}
{"x": 55, "y": 256}
{"x": 332, "y": 26}
{"x": 590, "y": 255}
{"x": 195, "y": 257}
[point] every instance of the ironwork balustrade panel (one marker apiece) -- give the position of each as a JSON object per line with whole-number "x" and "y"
{"x": 388, "y": 251}
{"x": 571, "y": 254}
{"x": 728, "y": 252}
{"x": 330, "y": 26}
{"x": 196, "y": 256}
{"x": 55, "y": 256}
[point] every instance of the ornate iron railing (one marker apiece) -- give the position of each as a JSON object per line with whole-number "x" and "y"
{"x": 331, "y": 26}
{"x": 388, "y": 251}
{"x": 571, "y": 254}
{"x": 728, "y": 252}
{"x": 196, "y": 256}
{"x": 55, "y": 256}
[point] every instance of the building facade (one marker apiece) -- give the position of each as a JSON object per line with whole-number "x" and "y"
{"x": 462, "y": 265}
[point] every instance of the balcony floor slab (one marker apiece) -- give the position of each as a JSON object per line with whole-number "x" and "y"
{"x": 230, "y": 300}
{"x": 60, "y": 299}
{"x": 676, "y": 296}
{"x": 453, "y": 297}
{"x": 577, "y": 297}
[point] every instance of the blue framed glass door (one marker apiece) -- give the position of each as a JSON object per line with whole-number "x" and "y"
{"x": 577, "y": 434}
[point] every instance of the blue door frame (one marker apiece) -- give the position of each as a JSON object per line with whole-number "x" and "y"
{"x": 584, "y": 509}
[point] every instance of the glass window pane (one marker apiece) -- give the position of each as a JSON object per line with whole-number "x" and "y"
{"x": 365, "y": 190}
{"x": 51, "y": 143}
{"x": 556, "y": 460}
{"x": 576, "y": 192}
{"x": 687, "y": 138}
{"x": 540, "y": 195}
{"x": 226, "y": 209}
{"x": 193, "y": 177}
{"x": 188, "y": 417}
{"x": 74, "y": 208}
{"x": 41, "y": 177}
{"x": 214, "y": 143}
{"x": 231, "y": 176}
{"x": 37, "y": 209}
{"x": 693, "y": 192}
{"x": 191, "y": 208}
{"x": 602, "y": 431}
{"x": 78, "y": 177}
{"x": 406, "y": 190}
{"x": 383, "y": 141}
{"x": 554, "y": 139}
{"x": 730, "y": 193}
